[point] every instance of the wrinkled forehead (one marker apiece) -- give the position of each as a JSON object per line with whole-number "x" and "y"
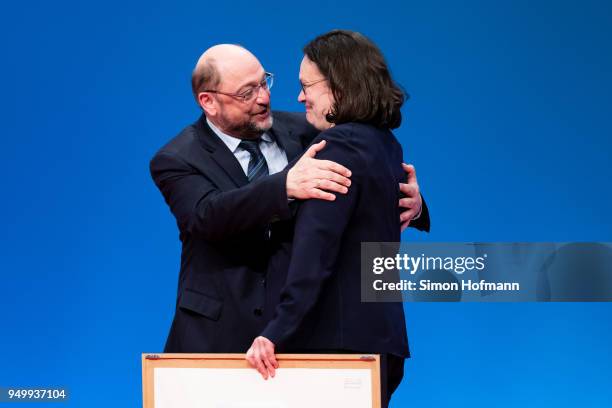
{"x": 240, "y": 71}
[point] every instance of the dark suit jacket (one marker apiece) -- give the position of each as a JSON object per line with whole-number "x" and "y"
{"x": 319, "y": 306}
{"x": 225, "y": 230}
{"x": 224, "y": 225}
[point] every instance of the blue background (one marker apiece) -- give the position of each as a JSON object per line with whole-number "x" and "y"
{"x": 508, "y": 126}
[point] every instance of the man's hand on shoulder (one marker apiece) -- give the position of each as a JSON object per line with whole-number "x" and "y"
{"x": 313, "y": 178}
{"x": 412, "y": 204}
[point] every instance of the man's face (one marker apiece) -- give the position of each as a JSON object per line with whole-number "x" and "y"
{"x": 236, "y": 116}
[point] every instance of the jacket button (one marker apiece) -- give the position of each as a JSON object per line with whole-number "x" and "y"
{"x": 258, "y": 311}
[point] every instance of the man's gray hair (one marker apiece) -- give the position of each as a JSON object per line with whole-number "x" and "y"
{"x": 204, "y": 76}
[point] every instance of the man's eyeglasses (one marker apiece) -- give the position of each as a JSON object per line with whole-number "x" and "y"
{"x": 250, "y": 94}
{"x": 308, "y": 85}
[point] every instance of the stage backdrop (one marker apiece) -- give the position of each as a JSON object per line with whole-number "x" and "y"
{"x": 508, "y": 125}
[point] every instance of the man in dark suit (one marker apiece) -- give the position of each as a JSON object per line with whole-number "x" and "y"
{"x": 226, "y": 181}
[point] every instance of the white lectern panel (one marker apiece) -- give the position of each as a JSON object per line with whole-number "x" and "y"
{"x": 245, "y": 388}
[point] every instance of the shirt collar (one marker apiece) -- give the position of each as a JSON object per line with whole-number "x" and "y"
{"x": 232, "y": 142}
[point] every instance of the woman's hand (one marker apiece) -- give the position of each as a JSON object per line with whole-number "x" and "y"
{"x": 261, "y": 356}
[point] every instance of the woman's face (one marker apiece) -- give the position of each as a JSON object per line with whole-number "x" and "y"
{"x": 315, "y": 94}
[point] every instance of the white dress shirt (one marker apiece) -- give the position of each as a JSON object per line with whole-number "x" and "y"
{"x": 275, "y": 156}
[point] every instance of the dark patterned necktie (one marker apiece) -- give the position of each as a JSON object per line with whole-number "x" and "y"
{"x": 257, "y": 165}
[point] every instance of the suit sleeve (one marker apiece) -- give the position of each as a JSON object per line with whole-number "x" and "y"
{"x": 319, "y": 229}
{"x": 201, "y": 209}
{"x": 422, "y": 223}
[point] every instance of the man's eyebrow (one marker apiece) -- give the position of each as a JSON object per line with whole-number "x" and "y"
{"x": 251, "y": 84}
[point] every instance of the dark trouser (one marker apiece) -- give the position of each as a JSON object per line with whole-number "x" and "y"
{"x": 391, "y": 374}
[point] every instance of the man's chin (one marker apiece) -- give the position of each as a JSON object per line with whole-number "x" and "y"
{"x": 255, "y": 128}
{"x": 269, "y": 123}
{"x": 263, "y": 125}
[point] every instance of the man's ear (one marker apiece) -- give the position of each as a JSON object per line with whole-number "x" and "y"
{"x": 207, "y": 103}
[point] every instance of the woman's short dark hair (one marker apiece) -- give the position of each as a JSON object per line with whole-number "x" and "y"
{"x": 359, "y": 79}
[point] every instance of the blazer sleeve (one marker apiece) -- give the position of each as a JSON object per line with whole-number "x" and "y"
{"x": 423, "y": 222}
{"x": 319, "y": 229}
{"x": 201, "y": 209}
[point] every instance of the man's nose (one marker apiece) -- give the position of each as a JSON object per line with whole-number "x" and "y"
{"x": 263, "y": 95}
{"x": 301, "y": 96}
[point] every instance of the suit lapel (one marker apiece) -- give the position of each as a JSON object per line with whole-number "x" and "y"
{"x": 219, "y": 152}
{"x": 226, "y": 160}
{"x": 286, "y": 140}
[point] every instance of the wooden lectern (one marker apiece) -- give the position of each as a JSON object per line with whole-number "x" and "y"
{"x": 227, "y": 381}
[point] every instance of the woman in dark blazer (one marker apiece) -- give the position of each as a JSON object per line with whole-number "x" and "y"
{"x": 350, "y": 96}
